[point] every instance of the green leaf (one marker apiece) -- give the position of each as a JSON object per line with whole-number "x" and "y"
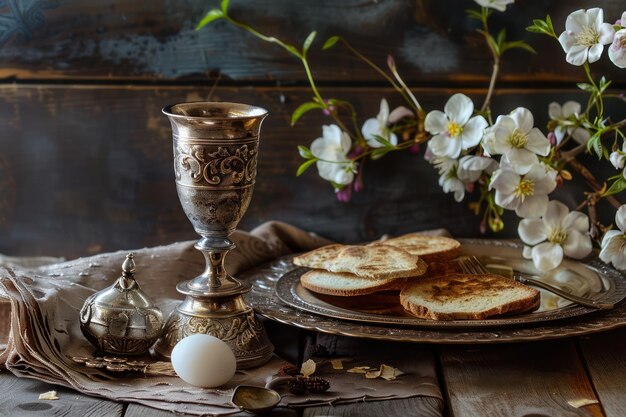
{"x": 501, "y": 39}
{"x": 538, "y": 26}
{"x": 305, "y": 152}
{"x": 209, "y": 17}
{"x": 308, "y": 41}
{"x": 224, "y": 5}
{"x": 586, "y": 87}
{"x": 541, "y": 26}
{"x": 603, "y": 84}
{"x": 330, "y": 42}
{"x": 379, "y": 152}
{"x": 518, "y": 45}
{"x": 305, "y": 165}
{"x": 383, "y": 141}
{"x": 303, "y": 108}
{"x": 595, "y": 143}
{"x": 549, "y": 23}
{"x": 534, "y": 29}
{"x": 617, "y": 187}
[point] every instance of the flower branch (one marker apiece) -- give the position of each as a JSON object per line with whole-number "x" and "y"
{"x": 508, "y": 163}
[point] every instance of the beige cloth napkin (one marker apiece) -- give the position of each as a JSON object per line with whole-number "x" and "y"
{"x": 45, "y": 330}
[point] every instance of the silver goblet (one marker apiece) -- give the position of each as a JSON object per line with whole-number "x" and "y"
{"x": 215, "y": 160}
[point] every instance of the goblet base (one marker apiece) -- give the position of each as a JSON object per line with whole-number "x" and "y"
{"x": 227, "y": 318}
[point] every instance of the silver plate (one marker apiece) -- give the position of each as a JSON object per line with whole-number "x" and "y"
{"x": 575, "y": 320}
{"x": 385, "y": 308}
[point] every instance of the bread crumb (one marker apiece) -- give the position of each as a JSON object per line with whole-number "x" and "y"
{"x": 389, "y": 372}
{"x": 372, "y": 374}
{"x": 337, "y": 364}
{"x": 359, "y": 370}
{"x": 581, "y": 402}
{"x": 308, "y": 368}
{"x": 50, "y": 395}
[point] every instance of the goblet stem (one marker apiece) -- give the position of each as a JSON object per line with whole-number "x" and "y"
{"x": 215, "y": 268}
{"x": 214, "y": 281}
{"x": 214, "y": 251}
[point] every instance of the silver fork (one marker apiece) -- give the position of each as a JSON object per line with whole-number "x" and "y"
{"x": 471, "y": 265}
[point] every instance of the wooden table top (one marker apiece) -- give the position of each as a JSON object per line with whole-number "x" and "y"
{"x": 508, "y": 380}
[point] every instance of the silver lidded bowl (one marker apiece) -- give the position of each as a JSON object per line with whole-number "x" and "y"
{"x": 121, "y": 319}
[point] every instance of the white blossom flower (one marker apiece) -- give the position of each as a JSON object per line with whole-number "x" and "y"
{"x": 471, "y": 167}
{"x": 447, "y": 168}
{"x": 454, "y": 129}
{"x": 617, "y": 50}
{"x": 585, "y": 36}
{"x": 527, "y": 194}
{"x": 400, "y": 113}
{"x": 379, "y": 126}
{"x": 618, "y": 158}
{"x": 450, "y": 184}
{"x": 332, "y": 148}
{"x": 516, "y": 138}
{"x": 567, "y": 118}
{"x": 614, "y": 241}
{"x": 559, "y": 232}
{"x": 499, "y": 5}
{"x": 488, "y": 141}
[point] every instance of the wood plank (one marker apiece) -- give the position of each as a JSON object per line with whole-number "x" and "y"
{"x": 155, "y": 39}
{"x": 605, "y": 356}
{"x": 136, "y": 410}
{"x": 410, "y": 407}
{"x": 517, "y": 380}
{"x": 91, "y": 169}
{"x": 401, "y": 355}
{"x": 20, "y": 399}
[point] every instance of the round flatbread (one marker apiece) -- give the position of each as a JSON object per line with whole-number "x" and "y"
{"x": 428, "y": 248}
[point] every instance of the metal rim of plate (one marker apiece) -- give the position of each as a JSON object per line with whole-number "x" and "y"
{"x": 573, "y": 320}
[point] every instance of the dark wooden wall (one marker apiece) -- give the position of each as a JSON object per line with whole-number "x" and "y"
{"x": 85, "y": 154}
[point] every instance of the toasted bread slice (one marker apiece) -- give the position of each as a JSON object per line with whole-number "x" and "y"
{"x": 344, "y": 284}
{"x": 467, "y": 297}
{"x": 441, "y": 268}
{"x": 321, "y": 255}
{"x": 429, "y": 248}
{"x": 379, "y": 261}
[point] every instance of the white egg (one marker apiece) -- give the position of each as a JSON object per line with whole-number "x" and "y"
{"x": 204, "y": 361}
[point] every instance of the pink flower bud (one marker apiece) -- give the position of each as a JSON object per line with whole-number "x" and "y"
{"x": 345, "y": 194}
{"x": 356, "y": 151}
{"x": 552, "y": 138}
{"x": 329, "y": 110}
{"x": 483, "y": 227}
{"x": 358, "y": 184}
